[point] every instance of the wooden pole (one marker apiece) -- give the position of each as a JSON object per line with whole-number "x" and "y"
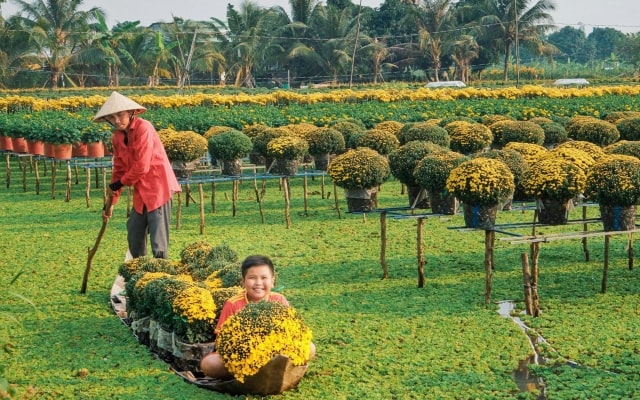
{"x": 22, "y": 163}
{"x": 67, "y": 196}
{"x": 489, "y": 236}
{"x": 285, "y": 187}
{"x": 258, "y": 199}
{"x": 53, "y": 179}
{"x": 526, "y": 279}
{"x": 322, "y": 186}
{"x": 87, "y": 189}
{"x": 335, "y": 199}
{"x": 201, "y": 194}
{"x": 234, "y": 198}
{"x": 213, "y": 197}
{"x": 585, "y": 227}
{"x": 630, "y": 251}
{"x": 37, "y": 171}
{"x": 383, "y": 244}
{"x": 305, "y": 184}
{"x": 7, "y": 157}
{"x": 420, "y": 251}
{"x": 179, "y": 211}
{"x": 605, "y": 271}
{"x": 535, "y": 272}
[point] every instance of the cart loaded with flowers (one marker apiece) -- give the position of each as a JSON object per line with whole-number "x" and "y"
{"x": 173, "y": 307}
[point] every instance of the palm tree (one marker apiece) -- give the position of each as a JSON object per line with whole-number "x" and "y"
{"x": 58, "y": 29}
{"x": 435, "y": 27}
{"x": 514, "y": 21}
{"x": 16, "y": 54}
{"x": 465, "y": 49}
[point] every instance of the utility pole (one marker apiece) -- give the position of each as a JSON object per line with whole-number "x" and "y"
{"x": 515, "y": 11}
{"x": 355, "y": 45}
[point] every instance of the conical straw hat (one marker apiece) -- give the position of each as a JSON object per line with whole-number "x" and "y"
{"x": 116, "y": 103}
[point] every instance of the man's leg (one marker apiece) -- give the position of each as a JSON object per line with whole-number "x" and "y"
{"x": 159, "y": 220}
{"x": 137, "y": 233}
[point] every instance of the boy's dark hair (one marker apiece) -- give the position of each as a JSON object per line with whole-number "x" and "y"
{"x": 256, "y": 260}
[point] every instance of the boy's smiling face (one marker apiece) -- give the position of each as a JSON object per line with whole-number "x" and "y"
{"x": 258, "y": 282}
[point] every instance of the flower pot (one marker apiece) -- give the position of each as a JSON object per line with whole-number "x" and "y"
{"x": 256, "y": 158}
{"x": 48, "y": 150}
{"x": 361, "y": 200}
{"x": 553, "y": 212}
{"x": 79, "y": 149}
{"x": 618, "y": 218}
{"x": 232, "y": 167}
{"x": 35, "y": 147}
{"x": 62, "y": 151}
{"x": 284, "y": 167}
{"x": 480, "y": 216}
{"x": 6, "y": 143}
{"x": 95, "y": 149}
{"x": 19, "y": 145}
{"x": 321, "y": 161}
{"x": 184, "y": 169}
{"x": 418, "y": 197}
{"x": 443, "y": 203}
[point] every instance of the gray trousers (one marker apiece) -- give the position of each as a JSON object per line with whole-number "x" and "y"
{"x": 156, "y": 224}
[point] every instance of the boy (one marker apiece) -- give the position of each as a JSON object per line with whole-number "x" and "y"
{"x": 258, "y": 278}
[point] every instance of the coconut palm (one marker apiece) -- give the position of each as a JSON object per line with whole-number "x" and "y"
{"x": 58, "y": 29}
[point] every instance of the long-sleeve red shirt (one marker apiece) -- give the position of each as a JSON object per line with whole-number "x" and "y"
{"x": 142, "y": 162}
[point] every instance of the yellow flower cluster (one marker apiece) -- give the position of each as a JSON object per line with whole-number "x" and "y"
{"x": 195, "y": 304}
{"x": 579, "y": 157}
{"x": 554, "y": 178}
{"x": 287, "y": 147}
{"x": 481, "y": 181}
{"x": 530, "y": 151}
{"x": 615, "y": 180}
{"x": 183, "y": 145}
{"x": 257, "y": 333}
{"x": 468, "y": 137}
{"x": 335, "y": 96}
{"x": 362, "y": 168}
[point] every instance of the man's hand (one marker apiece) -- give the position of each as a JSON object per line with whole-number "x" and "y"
{"x": 107, "y": 212}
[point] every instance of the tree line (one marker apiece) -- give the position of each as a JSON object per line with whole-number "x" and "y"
{"x": 57, "y": 43}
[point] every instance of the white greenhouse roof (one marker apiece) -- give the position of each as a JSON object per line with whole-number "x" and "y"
{"x": 445, "y": 84}
{"x": 571, "y": 81}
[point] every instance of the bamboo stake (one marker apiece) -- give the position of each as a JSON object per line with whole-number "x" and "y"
{"x": 420, "y": 251}
{"x": 258, "y": 199}
{"x": 8, "y": 166}
{"x": 605, "y": 271}
{"x": 535, "y": 272}
{"x": 335, "y": 199}
{"x": 37, "y": 172}
{"x": 213, "y": 197}
{"x": 489, "y": 236}
{"x": 23, "y": 167}
{"x": 53, "y": 179}
{"x": 383, "y": 244}
{"x": 67, "y": 195}
{"x": 526, "y": 278}
{"x": 630, "y": 251}
{"x": 179, "y": 211}
{"x": 285, "y": 188}
{"x": 305, "y": 195}
{"x": 585, "y": 227}
{"x": 234, "y": 198}
{"x": 201, "y": 194}
{"x": 87, "y": 189}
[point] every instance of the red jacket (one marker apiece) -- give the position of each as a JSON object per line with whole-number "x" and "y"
{"x": 143, "y": 163}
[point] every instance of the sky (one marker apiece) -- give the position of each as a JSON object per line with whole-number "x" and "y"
{"x": 619, "y": 14}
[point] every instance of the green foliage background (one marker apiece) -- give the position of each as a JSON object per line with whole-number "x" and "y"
{"x": 376, "y": 339}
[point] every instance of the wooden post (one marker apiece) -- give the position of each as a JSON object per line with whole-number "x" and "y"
{"x": 8, "y": 166}
{"x": 489, "y": 237}
{"x": 37, "y": 172}
{"x": 53, "y": 179}
{"x": 585, "y": 227}
{"x": 305, "y": 184}
{"x": 630, "y": 251}
{"x": 335, "y": 199}
{"x": 213, "y": 197}
{"x": 605, "y": 271}
{"x": 383, "y": 244}
{"x": 258, "y": 199}
{"x": 87, "y": 189}
{"x": 234, "y": 198}
{"x": 322, "y": 185}
{"x": 67, "y": 196}
{"x": 526, "y": 279}
{"x": 201, "y": 194}
{"x": 285, "y": 187}
{"x": 535, "y": 272}
{"x": 420, "y": 252}
{"x": 179, "y": 211}
{"x": 75, "y": 168}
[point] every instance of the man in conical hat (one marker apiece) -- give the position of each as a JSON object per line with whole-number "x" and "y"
{"x": 139, "y": 160}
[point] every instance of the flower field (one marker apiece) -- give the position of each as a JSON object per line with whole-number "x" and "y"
{"x": 376, "y": 338}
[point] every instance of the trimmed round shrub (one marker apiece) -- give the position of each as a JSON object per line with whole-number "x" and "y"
{"x": 325, "y": 141}
{"x": 592, "y": 130}
{"x": 592, "y": 149}
{"x": 433, "y": 170}
{"x": 468, "y": 138}
{"x": 216, "y": 130}
{"x": 447, "y": 120}
{"x": 629, "y": 128}
{"x": 425, "y": 131}
{"x": 393, "y": 127}
{"x": 531, "y": 152}
{"x": 624, "y": 147}
{"x": 229, "y": 145}
{"x": 253, "y": 130}
{"x": 403, "y": 160}
{"x": 349, "y": 130}
{"x": 554, "y": 133}
{"x": 262, "y": 139}
{"x": 514, "y": 160}
{"x": 615, "y": 116}
{"x": 493, "y": 118}
{"x": 521, "y": 131}
{"x": 381, "y": 141}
